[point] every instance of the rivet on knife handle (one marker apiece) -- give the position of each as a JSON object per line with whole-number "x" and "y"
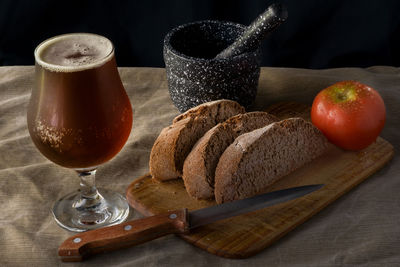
{"x": 123, "y": 235}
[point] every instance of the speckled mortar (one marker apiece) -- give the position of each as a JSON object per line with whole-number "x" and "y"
{"x": 195, "y": 76}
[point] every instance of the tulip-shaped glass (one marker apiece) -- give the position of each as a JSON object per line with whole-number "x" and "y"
{"x": 79, "y": 116}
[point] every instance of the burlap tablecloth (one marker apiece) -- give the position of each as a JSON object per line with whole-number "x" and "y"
{"x": 360, "y": 228}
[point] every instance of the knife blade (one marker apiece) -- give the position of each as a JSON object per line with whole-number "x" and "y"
{"x": 130, "y": 233}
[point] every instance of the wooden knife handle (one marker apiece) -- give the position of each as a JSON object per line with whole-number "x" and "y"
{"x": 79, "y": 246}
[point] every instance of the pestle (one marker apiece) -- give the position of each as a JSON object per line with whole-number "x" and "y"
{"x": 251, "y": 38}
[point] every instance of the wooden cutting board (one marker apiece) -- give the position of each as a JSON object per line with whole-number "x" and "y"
{"x": 245, "y": 235}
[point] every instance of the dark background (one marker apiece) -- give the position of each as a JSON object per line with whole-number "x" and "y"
{"x": 317, "y": 34}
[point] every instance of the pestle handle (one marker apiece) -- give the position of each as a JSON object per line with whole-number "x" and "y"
{"x": 257, "y": 31}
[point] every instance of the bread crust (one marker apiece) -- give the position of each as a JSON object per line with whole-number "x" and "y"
{"x": 214, "y": 110}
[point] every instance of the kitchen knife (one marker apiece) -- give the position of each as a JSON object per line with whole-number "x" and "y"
{"x": 181, "y": 221}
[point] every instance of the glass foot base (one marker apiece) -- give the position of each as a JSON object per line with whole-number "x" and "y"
{"x": 73, "y": 215}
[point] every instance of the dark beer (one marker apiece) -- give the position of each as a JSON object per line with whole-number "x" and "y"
{"x": 79, "y": 115}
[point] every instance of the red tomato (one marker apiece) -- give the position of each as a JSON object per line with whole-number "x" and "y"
{"x": 350, "y": 114}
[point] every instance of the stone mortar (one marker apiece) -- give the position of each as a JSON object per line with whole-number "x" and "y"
{"x": 194, "y": 76}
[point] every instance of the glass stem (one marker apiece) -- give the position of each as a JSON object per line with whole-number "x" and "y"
{"x": 90, "y": 197}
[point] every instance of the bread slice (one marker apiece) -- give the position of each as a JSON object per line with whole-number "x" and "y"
{"x": 176, "y": 141}
{"x": 257, "y": 159}
{"x": 199, "y": 166}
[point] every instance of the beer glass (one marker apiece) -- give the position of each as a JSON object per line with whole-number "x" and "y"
{"x": 79, "y": 116}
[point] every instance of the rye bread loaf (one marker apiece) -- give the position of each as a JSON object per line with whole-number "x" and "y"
{"x": 257, "y": 159}
{"x": 199, "y": 166}
{"x": 175, "y": 141}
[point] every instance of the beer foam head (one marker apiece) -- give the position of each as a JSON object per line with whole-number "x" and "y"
{"x": 74, "y": 52}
